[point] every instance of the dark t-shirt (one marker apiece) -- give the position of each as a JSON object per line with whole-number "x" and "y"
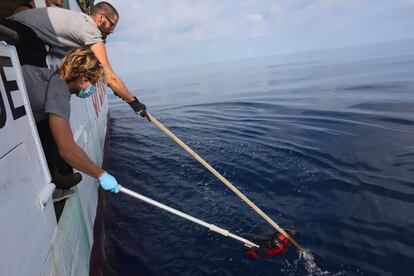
{"x": 57, "y": 99}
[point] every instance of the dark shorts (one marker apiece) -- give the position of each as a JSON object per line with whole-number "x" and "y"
{"x": 30, "y": 49}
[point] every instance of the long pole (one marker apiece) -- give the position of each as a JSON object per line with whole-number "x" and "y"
{"x": 224, "y": 180}
{"x": 211, "y": 227}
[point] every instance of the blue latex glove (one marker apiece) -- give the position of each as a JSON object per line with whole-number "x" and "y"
{"x": 109, "y": 183}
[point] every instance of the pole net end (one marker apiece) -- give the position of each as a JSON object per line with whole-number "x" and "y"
{"x": 269, "y": 246}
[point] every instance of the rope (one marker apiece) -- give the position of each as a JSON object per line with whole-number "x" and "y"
{"x": 225, "y": 181}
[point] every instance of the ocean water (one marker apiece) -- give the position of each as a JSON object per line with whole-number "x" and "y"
{"x": 322, "y": 140}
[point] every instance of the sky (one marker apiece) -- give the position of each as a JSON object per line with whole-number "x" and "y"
{"x": 158, "y": 34}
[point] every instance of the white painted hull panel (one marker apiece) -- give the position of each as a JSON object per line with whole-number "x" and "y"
{"x": 32, "y": 242}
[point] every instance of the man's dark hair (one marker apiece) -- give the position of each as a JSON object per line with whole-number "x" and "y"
{"x": 106, "y": 8}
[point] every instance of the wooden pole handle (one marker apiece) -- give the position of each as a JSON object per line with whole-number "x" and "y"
{"x": 224, "y": 180}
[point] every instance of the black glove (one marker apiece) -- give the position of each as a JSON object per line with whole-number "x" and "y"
{"x": 139, "y": 108}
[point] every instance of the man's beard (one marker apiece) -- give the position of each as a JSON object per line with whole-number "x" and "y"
{"x": 101, "y": 27}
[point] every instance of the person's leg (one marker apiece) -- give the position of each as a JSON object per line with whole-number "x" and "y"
{"x": 61, "y": 173}
{"x": 48, "y": 145}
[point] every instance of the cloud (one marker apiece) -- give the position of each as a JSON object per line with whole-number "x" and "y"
{"x": 172, "y": 23}
{"x": 151, "y": 26}
{"x": 254, "y": 17}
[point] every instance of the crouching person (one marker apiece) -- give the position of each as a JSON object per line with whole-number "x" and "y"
{"x": 49, "y": 94}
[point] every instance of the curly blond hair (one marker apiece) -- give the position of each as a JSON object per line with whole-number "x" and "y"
{"x": 81, "y": 63}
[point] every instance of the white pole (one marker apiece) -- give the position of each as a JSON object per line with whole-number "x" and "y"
{"x": 211, "y": 227}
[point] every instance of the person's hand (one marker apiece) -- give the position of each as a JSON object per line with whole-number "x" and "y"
{"x": 108, "y": 182}
{"x": 139, "y": 108}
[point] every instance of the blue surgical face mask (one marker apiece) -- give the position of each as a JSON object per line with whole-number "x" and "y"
{"x": 87, "y": 92}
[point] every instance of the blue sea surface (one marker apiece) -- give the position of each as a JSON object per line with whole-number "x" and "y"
{"x": 321, "y": 140}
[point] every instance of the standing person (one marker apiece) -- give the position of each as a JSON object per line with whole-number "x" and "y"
{"x": 49, "y": 97}
{"x": 65, "y": 29}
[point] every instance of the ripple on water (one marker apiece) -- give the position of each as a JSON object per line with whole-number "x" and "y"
{"x": 333, "y": 156}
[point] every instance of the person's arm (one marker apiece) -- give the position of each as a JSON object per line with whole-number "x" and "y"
{"x": 75, "y": 156}
{"x": 116, "y": 84}
{"x": 69, "y": 150}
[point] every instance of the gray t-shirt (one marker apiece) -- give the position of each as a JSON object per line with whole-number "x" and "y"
{"x": 60, "y": 28}
{"x": 57, "y": 100}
